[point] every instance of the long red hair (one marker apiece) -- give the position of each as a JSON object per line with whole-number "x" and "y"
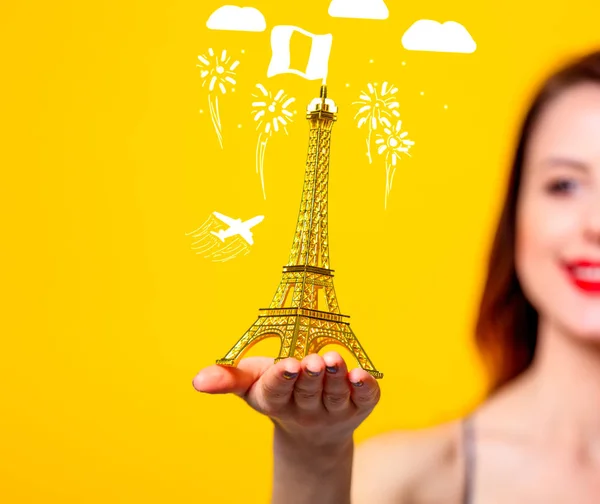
{"x": 507, "y": 325}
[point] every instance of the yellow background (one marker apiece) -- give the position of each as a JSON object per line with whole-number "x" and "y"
{"x": 107, "y": 313}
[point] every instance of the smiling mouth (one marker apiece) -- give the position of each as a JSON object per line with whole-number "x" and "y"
{"x": 585, "y": 275}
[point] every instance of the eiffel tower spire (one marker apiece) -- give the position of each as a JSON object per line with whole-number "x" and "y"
{"x": 304, "y": 312}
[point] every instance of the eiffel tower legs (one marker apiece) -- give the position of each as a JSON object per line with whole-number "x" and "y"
{"x": 302, "y": 332}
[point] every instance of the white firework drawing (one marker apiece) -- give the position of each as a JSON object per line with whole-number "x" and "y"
{"x": 272, "y": 116}
{"x": 393, "y": 144}
{"x": 374, "y": 106}
{"x": 217, "y": 72}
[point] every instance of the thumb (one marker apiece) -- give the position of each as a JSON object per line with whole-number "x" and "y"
{"x": 217, "y": 379}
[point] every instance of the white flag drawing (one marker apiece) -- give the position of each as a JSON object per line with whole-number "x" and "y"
{"x": 318, "y": 60}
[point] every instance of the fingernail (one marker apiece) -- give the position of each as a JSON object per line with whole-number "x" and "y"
{"x": 289, "y": 376}
{"x": 312, "y": 373}
{"x": 331, "y": 369}
{"x": 357, "y": 384}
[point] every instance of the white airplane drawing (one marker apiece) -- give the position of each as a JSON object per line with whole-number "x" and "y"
{"x": 236, "y": 226}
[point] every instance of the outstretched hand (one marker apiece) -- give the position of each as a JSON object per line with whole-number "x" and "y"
{"x": 315, "y": 400}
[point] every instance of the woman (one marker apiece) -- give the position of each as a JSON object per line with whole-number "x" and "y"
{"x": 537, "y": 437}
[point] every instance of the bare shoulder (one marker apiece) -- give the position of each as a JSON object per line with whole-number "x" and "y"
{"x": 409, "y": 467}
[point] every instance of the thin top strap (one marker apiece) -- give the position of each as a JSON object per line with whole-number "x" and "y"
{"x": 469, "y": 454}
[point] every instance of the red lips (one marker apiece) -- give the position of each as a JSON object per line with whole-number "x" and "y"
{"x": 586, "y": 280}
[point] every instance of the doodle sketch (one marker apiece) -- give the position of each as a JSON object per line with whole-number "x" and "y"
{"x": 375, "y": 105}
{"x": 359, "y": 9}
{"x": 318, "y": 60}
{"x": 272, "y": 115}
{"x": 429, "y": 35}
{"x": 234, "y": 18}
{"x": 217, "y": 72}
{"x": 393, "y": 143}
{"x": 220, "y": 244}
{"x": 379, "y": 111}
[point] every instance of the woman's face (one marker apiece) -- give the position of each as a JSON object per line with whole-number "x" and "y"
{"x": 558, "y": 213}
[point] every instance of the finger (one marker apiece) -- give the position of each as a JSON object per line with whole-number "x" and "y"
{"x": 365, "y": 389}
{"x": 309, "y": 386}
{"x": 276, "y": 386}
{"x": 336, "y": 389}
{"x": 218, "y": 379}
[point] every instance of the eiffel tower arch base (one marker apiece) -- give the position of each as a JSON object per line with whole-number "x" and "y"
{"x": 302, "y": 332}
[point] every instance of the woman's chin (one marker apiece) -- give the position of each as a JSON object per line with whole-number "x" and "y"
{"x": 580, "y": 317}
{"x": 589, "y": 332}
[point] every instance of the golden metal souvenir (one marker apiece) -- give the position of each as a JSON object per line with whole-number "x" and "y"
{"x": 304, "y": 312}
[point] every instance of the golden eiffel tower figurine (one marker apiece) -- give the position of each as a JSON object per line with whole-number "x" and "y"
{"x": 304, "y": 312}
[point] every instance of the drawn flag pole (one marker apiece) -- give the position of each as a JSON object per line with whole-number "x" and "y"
{"x": 271, "y": 111}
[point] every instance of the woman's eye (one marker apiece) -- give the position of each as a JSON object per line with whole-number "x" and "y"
{"x": 561, "y": 186}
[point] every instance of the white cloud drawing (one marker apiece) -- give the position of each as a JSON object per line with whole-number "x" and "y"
{"x": 428, "y": 35}
{"x": 361, "y": 9}
{"x": 234, "y": 18}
